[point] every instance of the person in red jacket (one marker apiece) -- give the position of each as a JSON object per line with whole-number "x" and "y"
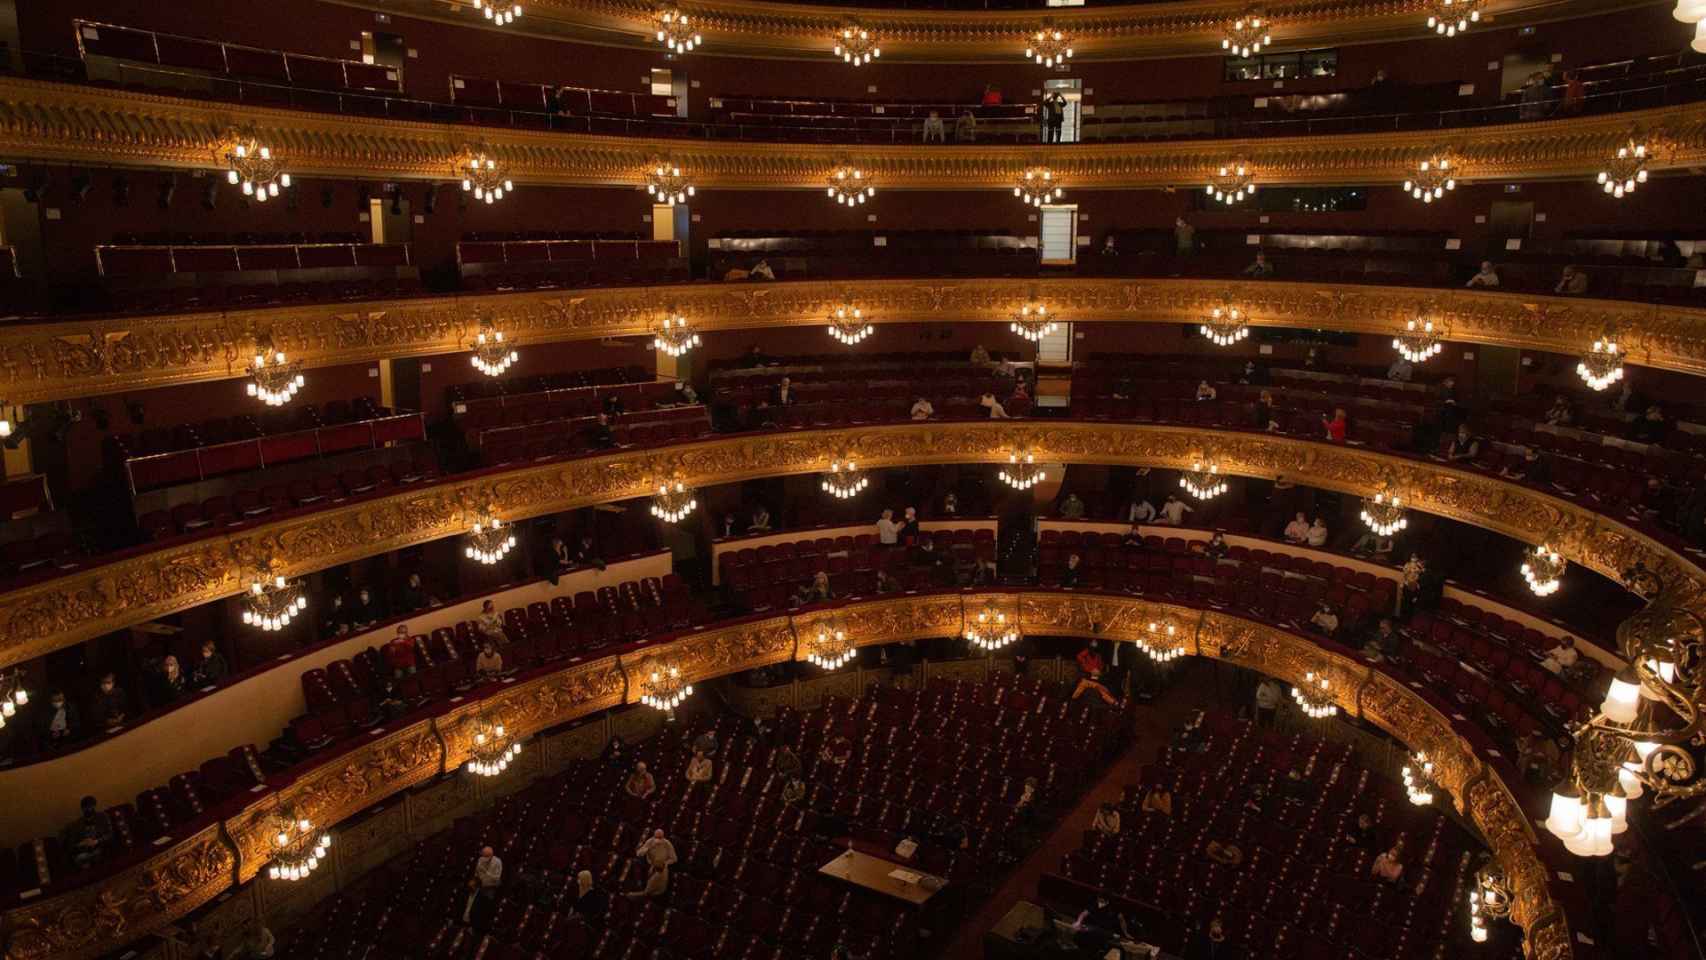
{"x": 400, "y": 652}
{"x": 991, "y": 95}
{"x": 1335, "y": 426}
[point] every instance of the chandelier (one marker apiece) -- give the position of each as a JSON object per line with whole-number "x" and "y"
{"x": 674, "y": 336}
{"x": 674, "y": 32}
{"x": 991, "y": 629}
{"x": 251, "y": 163}
{"x": 1448, "y": 18}
{"x": 490, "y": 540}
{"x": 272, "y": 602}
{"x": 1314, "y": 697}
{"x": 1384, "y": 514}
{"x": 856, "y": 45}
{"x": 297, "y": 849}
{"x": 1036, "y": 186}
{"x": 844, "y": 481}
{"x": 273, "y": 379}
{"x": 492, "y": 749}
{"x": 1433, "y": 178}
{"x": 847, "y": 325}
{"x": 1626, "y": 170}
{"x": 1162, "y": 642}
{"x": 483, "y": 176}
{"x": 1602, "y": 366}
{"x": 1490, "y": 898}
{"x": 12, "y": 694}
{"x": 1022, "y": 472}
{"x": 1203, "y": 480}
{"x": 1049, "y": 47}
{"x": 1032, "y": 322}
{"x": 1246, "y": 35}
{"x": 663, "y": 689}
{"x": 830, "y": 648}
{"x": 1417, "y": 341}
{"x": 1225, "y": 325}
{"x": 1544, "y": 571}
{"x": 1419, "y": 779}
{"x": 1232, "y": 183}
{"x": 667, "y": 184}
{"x": 502, "y": 16}
{"x": 849, "y": 186}
{"x": 673, "y": 502}
{"x": 491, "y": 355}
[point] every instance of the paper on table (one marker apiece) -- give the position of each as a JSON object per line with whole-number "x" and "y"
{"x": 905, "y": 876}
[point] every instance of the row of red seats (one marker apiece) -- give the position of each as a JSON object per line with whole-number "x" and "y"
{"x": 242, "y": 426}
{"x": 575, "y": 438}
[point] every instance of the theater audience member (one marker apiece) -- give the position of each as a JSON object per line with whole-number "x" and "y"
{"x": 996, "y": 410}
{"x": 478, "y": 906}
{"x": 1184, "y": 237}
{"x": 1216, "y": 546}
{"x": 1336, "y": 425}
{"x": 992, "y": 95}
{"x": 1159, "y": 799}
{"x": 1387, "y": 867}
{"x": 167, "y": 682}
{"x": 334, "y": 621}
{"x": 1573, "y": 282}
{"x": 1206, "y": 391}
{"x": 1264, "y": 418}
{"x": 1325, "y": 621}
{"x": 1134, "y": 536}
{"x": 1091, "y": 682}
{"x": 1538, "y": 757}
{"x": 1297, "y": 530}
{"x": 490, "y": 662}
{"x": 886, "y": 583}
{"x": 837, "y": 751}
{"x": 1532, "y": 468}
{"x": 1268, "y": 695}
{"x": 922, "y": 409}
{"x": 1070, "y": 576}
{"x": 1464, "y": 446}
{"x": 601, "y": 436}
{"x": 60, "y": 723}
{"x": 761, "y": 271}
{"x": 615, "y": 752}
{"x": 211, "y": 667}
{"x": 87, "y": 838}
{"x": 979, "y": 354}
{"x": 365, "y": 611}
{"x": 950, "y": 505}
{"x": 787, "y": 762}
{"x": 489, "y": 869}
{"x": 1560, "y": 414}
{"x": 1106, "y": 820}
{"x": 888, "y": 531}
{"x": 909, "y": 528}
{"x": 727, "y": 528}
{"x": 489, "y": 623}
{"x": 1212, "y": 944}
{"x": 260, "y": 944}
{"x": 1260, "y": 267}
{"x": 933, "y": 128}
{"x": 640, "y": 783}
{"x": 1485, "y": 277}
{"x": 1651, "y": 427}
{"x": 1562, "y": 657}
{"x": 783, "y": 393}
{"x": 414, "y": 596}
{"x": 965, "y": 127}
{"x": 1385, "y": 642}
{"x": 1401, "y": 370}
{"x": 1317, "y": 536}
{"x": 1173, "y": 511}
{"x": 1072, "y": 508}
{"x": 557, "y": 559}
{"x": 1361, "y": 832}
{"x": 706, "y": 743}
{"x": 1110, "y": 246}
{"x": 586, "y": 553}
{"x": 1140, "y": 510}
{"x": 760, "y": 522}
{"x": 1227, "y": 853}
{"x": 613, "y": 405}
{"x": 817, "y": 591}
{"x": 699, "y": 769}
{"x": 590, "y": 902}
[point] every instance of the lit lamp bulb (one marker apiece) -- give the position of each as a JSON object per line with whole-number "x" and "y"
{"x": 1565, "y": 818}
{"x": 1622, "y": 699}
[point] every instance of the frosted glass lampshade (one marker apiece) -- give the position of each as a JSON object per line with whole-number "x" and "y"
{"x": 1565, "y": 820}
{"x": 1618, "y": 807}
{"x": 1690, "y": 11}
{"x": 1622, "y": 699}
{"x": 1630, "y": 783}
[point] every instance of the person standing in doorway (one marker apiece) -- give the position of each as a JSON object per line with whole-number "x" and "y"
{"x": 1056, "y": 116}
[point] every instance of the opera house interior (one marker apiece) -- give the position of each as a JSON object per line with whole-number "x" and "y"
{"x": 853, "y": 480}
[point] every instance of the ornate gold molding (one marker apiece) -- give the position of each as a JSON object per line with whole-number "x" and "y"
{"x": 38, "y": 619}
{"x": 75, "y": 124}
{"x": 84, "y": 923}
{"x": 65, "y": 360}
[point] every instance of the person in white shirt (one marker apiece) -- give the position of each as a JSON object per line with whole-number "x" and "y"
{"x": 996, "y": 410}
{"x": 1325, "y": 620}
{"x": 1487, "y": 277}
{"x": 657, "y": 851}
{"x": 1561, "y": 657}
{"x": 488, "y": 870}
{"x": 1206, "y": 391}
{"x": 1173, "y": 511}
{"x": 1317, "y": 536}
{"x": 922, "y": 410}
{"x": 1401, "y": 370}
{"x": 261, "y": 943}
{"x": 699, "y": 768}
{"x": 1140, "y": 511}
{"x": 1297, "y": 530}
{"x": 888, "y": 532}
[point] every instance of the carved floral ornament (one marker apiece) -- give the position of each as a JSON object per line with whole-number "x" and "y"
{"x": 86, "y": 922}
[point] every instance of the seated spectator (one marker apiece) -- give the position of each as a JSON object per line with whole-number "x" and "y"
{"x": 1264, "y": 418}
{"x": 1562, "y": 657}
{"x": 1110, "y": 246}
{"x": 1532, "y": 468}
{"x": 1464, "y": 446}
{"x": 1401, "y": 370}
{"x": 1072, "y": 508}
{"x": 590, "y": 903}
{"x": 979, "y": 354}
{"x": 1361, "y": 833}
{"x": 787, "y": 762}
{"x": 1212, "y": 944}
{"x": 210, "y": 668}
{"x": 558, "y": 561}
{"x": 1173, "y": 511}
{"x": 1226, "y": 853}
{"x": 1651, "y": 427}
{"x": 1134, "y": 536}
{"x": 1538, "y": 758}
{"x": 490, "y": 623}
{"x": 640, "y": 783}
{"x": 334, "y": 621}
{"x": 167, "y": 683}
{"x": 399, "y": 652}
{"x": 88, "y": 839}
{"x": 933, "y": 128}
{"x": 1260, "y": 268}
{"x": 1560, "y": 414}
{"x": 1387, "y": 867}
{"x": 1337, "y": 426}
{"x": 728, "y": 527}
{"x": 600, "y": 435}
{"x": 1106, "y": 820}
{"x": 60, "y": 723}
{"x": 996, "y": 410}
{"x": 706, "y": 743}
{"x": 992, "y": 95}
{"x": 1159, "y": 800}
{"x": 1216, "y": 547}
{"x": 1297, "y": 531}
{"x": 699, "y": 769}
{"x": 1206, "y": 391}
{"x": 887, "y": 583}
{"x": 1485, "y": 277}
{"x": 761, "y": 271}
{"x": 1371, "y": 544}
{"x": 490, "y": 662}
{"x": 783, "y": 393}
{"x": 1070, "y": 576}
{"x": 365, "y": 611}
{"x": 815, "y": 592}
{"x": 586, "y": 554}
{"x": 760, "y": 520}
{"x": 1317, "y": 536}
{"x": 950, "y": 505}
{"x": 1573, "y": 282}
{"x": 922, "y": 409}
{"x": 837, "y": 751}
{"x": 965, "y": 127}
{"x": 615, "y": 753}
{"x": 1325, "y": 621}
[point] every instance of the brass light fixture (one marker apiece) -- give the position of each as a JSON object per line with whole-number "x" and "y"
{"x": 274, "y": 379}
{"x": 1626, "y": 170}
{"x": 845, "y": 480}
{"x": 1433, "y": 179}
{"x": 673, "y": 502}
{"x": 1384, "y": 514}
{"x": 1544, "y": 570}
{"x": 483, "y": 176}
{"x": 1418, "y": 341}
{"x": 1448, "y": 18}
{"x": 672, "y": 29}
{"x": 830, "y": 648}
{"x": 1314, "y": 696}
{"x": 1032, "y": 322}
{"x": 662, "y": 688}
{"x": 1203, "y": 480}
{"x": 490, "y": 540}
{"x": 492, "y": 748}
{"x": 492, "y": 356}
{"x": 501, "y": 15}
{"x": 12, "y": 693}
{"x": 1022, "y": 472}
{"x": 674, "y": 336}
{"x": 1246, "y": 35}
{"x": 992, "y": 628}
{"x": 850, "y": 186}
{"x": 1419, "y": 781}
{"x": 1049, "y": 46}
{"x": 272, "y": 601}
{"x": 1489, "y": 899}
{"x": 1602, "y": 365}
{"x": 1225, "y": 325}
{"x": 297, "y": 848}
{"x": 251, "y": 164}
{"x": 1161, "y": 641}
{"x": 667, "y": 184}
{"x": 847, "y": 324}
{"x": 856, "y": 45}
{"x": 1232, "y": 182}
{"x": 1036, "y": 186}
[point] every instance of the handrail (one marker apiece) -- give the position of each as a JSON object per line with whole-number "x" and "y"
{"x": 372, "y": 424}
{"x": 171, "y": 250}
{"x": 225, "y": 47}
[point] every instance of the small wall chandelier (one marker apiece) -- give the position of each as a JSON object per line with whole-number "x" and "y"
{"x": 1314, "y": 696}
{"x": 1203, "y": 480}
{"x": 1384, "y": 514}
{"x": 1246, "y": 35}
{"x": 667, "y": 184}
{"x": 492, "y": 356}
{"x": 1232, "y": 183}
{"x": 991, "y": 629}
{"x": 251, "y": 163}
{"x": 847, "y": 325}
{"x": 830, "y": 649}
{"x": 297, "y": 848}
{"x": 501, "y": 15}
{"x": 5, "y": 420}
{"x": 1022, "y": 472}
{"x": 663, "y": 689}
{"x": 1049, "y": 47}
{"x": 674, "y": 337}
{"x": 1602, "y": 365}
{"x": 1419, "y": 779}
{"x": 1626, "y": 170}
{"x": 1544, "y": 570}
{"x": 845, "y": 481}
{"x": 1448, "y": 18}
{"x": 272, "y": 602}
{"x": 1225, "y": 325}
{"x": 673, "y": 502}
{"x": 490, "y": 540}
{"x": 12, "y": 694}
{"x": 492, "y": 749}
{"x": 1036, "y": 186}
{"x": 1433, "y": 178}
{"x": 273, "y": 379}
{"x": 483, "y": 176}
{"x": 1161, "y": 641}
{"x": 674, "y": 32}
{"x": 1489, "y": 899}
{"x": 1032, "y": 322}
{"x": 849, "y": 186}
{"x": 1417, "y": 341}
{"x": 856, "y": 45}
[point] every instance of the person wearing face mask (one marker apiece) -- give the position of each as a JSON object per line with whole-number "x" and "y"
{"x": 167, "y": 683}
{"x": 335, "y": 621}
{"x": 558, "y": 559}
{"x": 365, "y": 612}
{"x": 110, "y": 705}
{"x": 211, "y": 668}
{"x": 400, "y": 653}
{"x": 88, "y": 837}
{"x": 60, "y": 722}
{"x": 413, "y": 596}
{"x": 489, "y": 623}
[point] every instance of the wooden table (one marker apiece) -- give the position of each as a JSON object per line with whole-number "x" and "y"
{"x": 875, "y": 874}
